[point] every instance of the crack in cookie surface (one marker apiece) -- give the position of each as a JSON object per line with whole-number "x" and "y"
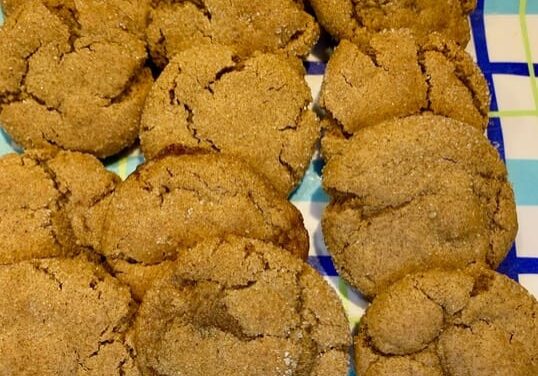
{"x": 202, "y": 299}
{"x": 256, "y": 109}
{"x": 43, "y": 192}
{"x": 488, "y": 325}
{"x": 175, "y": 201}
{"x": 281, "y": 26}
{"x": 396, "y": 77}
{"x": 75, "y": 324}
{"x": 54, "y": 55}
{"x": 415, "y": 193}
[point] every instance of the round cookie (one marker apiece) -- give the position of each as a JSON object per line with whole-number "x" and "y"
{"x": 241, "y": 304}
{"x": 247, "y": 26}
{"x": 397, "y": 78}
{"x": 449, "y": 323}
{"x": 178, "y": 200}
{"x": 64, "y": 317}
{"x": 357, "y": 20}
{"x": 412, "y": 194}
{"x": 256, "y": 109}
{"x": 42, "y": 191}
{"x": 69, "y": 80}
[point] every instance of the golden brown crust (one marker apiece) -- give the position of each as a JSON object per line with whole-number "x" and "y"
{"x": 94, "y": 16}
{"x": 254, "y": 108}
{"x": 483, "y": 322}
{"x": 244, "y": 25}
{"x": 396, "y": 77}
{"x": 236, "y": 303}
{"x": 174, "y": 202}
{"x": 42, "y": 194}
{"x": 357, "y": 20}
{"x": 412, "y": 194}
{"x": 64, "y": 317}
{"x": 68, "y": 82}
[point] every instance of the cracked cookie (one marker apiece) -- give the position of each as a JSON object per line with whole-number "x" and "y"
{"x": 398, "y": 78}
{"x": 357, "y": 20}
{"x": 450, "y": 323}
{"x": 42, "y": 191}
{"x": 64, "y": 317}
{"x": 255, "y": 108}
{"x": 178, "y": 200}
{"x": 68, "y": 81}
{"x": 411, "y": 194}
{"x": 246, "y": 26}
{"x": 94, "y": 15}
{"x": 241, "y": 304}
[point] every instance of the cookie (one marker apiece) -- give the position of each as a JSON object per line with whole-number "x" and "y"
{"x": 246, "y": 26}
{"x": 94, "y": 15}
{"x": 357, "y": 20}
{"x": 178, "y": 200}
{"x": 64, "y": 317}
{"x": 69, "y": 82}
{"x": 471, "y": 322}
{"x": 240, "y": 304}
{"x": 255, "y": 108}
{"x": 412, "y": 194}
{"x": 397, "y": 78}
{"x": 42, "y": 191}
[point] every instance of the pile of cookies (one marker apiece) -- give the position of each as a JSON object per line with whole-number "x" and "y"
{"x": 195, "y": 264}
{"x": 421, "y": 211}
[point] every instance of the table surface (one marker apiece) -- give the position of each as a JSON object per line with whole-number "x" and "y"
{"x": 505, "y": 45}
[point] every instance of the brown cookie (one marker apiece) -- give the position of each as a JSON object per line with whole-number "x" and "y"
{"x": 246, "y": 26}
{"x": 94, "y": 15}
{"x": 64, "y": 317}
{"x": 357, "y": 20}
{"x": 255, "y": 108}
{"x": 397, "y": 78}
{"x": 412, "y": 194}
{"x": 241, "y": 304}
{"x": 450, "y": 323}
{"x": 174, "y": 202}
{"x": 68, "y": 81}
{"x": 42, "y": 191}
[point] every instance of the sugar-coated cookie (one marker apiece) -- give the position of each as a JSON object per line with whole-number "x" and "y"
{"x": 42, "y": 193}
{"x": 254, "y": 108}
{"x": 178, "y": 200}
{"x": 474, "y": 322}
{"x": 71, "y": 77}
{"x": 411, "y": 194}
{"x": 247, "y": 26}
{"x": 396, "y": 77}
{"x": 357, "y": 20}
{"x": 64, "y": 317}
{"x": 239, "y": 306}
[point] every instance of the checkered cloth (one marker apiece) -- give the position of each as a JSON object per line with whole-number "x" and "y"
{"x": 505, "y": 45}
